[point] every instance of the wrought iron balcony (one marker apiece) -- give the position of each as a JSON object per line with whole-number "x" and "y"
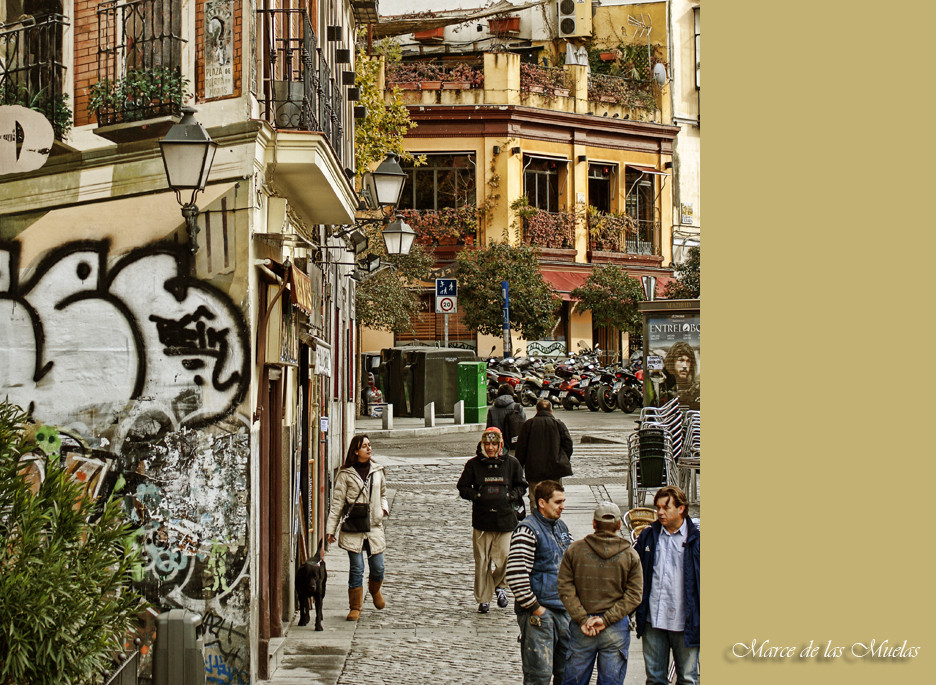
{"x": 300, "y": 90}
{"x": 139, "y": 61}
{"x": 32, "y": 72}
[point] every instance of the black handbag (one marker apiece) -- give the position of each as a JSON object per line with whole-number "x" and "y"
{"x": 356, "y": 515}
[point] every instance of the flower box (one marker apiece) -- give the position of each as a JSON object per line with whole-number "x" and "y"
{"x": 456, "y": 85}
{"x": 561, "y": 92}
{"x": 536, "y": 89}
{"x": 406, "y": 85}
{"x": 430, "y": 85}
{"x": 607, "y": 56}
{"x": 504, "y": 25}
{"x": 430, "y": 35}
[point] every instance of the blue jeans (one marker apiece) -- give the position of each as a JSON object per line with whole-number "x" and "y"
{"x": 610, "y": 647}
{"x": 656, "y": 650}
{"x": 356, "y": 573}
{"x": 543, "y": 648}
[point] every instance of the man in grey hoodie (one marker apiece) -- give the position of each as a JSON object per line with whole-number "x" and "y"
{"x": 600, "y": 583}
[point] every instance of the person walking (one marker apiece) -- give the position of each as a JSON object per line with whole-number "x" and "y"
{"x": 600, "y": 584}
{"x": 668, "y": 615}
{"x": 544, "y": 448}
{"x": 508, "y": 415}
{"x": 360, "y": 481}
{"x": 493, "y": 482}
{"x": 536, "y": 549}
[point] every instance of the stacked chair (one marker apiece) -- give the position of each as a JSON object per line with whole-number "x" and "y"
{"x": 665, "y": 450}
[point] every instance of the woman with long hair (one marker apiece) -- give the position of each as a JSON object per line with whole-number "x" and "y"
{"x": 361, "y": 480}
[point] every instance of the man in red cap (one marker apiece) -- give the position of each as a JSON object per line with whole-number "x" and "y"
{"x": 493, "y": 482}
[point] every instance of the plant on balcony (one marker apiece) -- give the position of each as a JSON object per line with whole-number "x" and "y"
{"x": 544, "y": 229}
{"x": 550, "y": 81}
{"x": 405, "y": 73}
{"x": 450, "y": 225}
{"x": 608, "y": 230}
{"x": 53, "y": 107}
{"x": 141, "y": 94}
{"x": 622, "y": 91}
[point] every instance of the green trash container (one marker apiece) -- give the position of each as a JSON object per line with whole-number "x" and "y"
{"x": 472, "y": 390}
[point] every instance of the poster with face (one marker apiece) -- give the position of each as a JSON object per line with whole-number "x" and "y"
{"x": 673, "y": 359}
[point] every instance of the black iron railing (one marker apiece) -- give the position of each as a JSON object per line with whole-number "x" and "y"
{"x": 32, "y": 72}
{"x": 139, "y": 60}
{"x": 300, "y": 90}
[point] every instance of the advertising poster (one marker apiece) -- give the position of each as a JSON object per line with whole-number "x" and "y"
{"x": 673, "y": 359}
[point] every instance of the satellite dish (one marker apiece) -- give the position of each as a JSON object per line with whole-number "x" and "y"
{"x": 659, "y": 74}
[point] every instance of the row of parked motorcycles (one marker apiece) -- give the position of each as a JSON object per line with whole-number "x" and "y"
{"x": 571, "y": 382}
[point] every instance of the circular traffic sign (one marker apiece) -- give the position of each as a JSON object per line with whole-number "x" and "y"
{"x": 446, "y": 304}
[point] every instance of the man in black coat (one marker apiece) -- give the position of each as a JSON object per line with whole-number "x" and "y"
{"x": 544, "y": 448}
{"x": 507, "y": 414}
{"x": 493, "y": 482}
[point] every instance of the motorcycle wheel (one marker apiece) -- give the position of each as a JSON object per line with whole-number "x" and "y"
{"x": 527, "y": 396}
{"x": 591, "y": 398}
{"x": 567, "y": 403}
{"x": 628, "y": 399}
{"x": 607, "y": 399}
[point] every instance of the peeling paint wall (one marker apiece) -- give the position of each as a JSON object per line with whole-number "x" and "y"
{"x": 144, "y": 366}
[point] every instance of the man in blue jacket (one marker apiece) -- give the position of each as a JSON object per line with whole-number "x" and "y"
{"x": 668, "y": 615}
{"x": 536, "y": 550}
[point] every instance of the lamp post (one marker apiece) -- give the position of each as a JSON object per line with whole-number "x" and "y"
{"x": 188, "y": 152}
{"x": 398, "y": 237}
{"x": 384, "y": 185}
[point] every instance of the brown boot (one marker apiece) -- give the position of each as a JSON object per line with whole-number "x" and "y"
{"x": 355, "y": 600}
{"x": 374, "y": 587}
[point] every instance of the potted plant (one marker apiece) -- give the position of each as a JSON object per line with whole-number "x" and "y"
{"x": 549, "y": 81}
{"x": 141, "y": 94}
{"x": 53, "y": 107}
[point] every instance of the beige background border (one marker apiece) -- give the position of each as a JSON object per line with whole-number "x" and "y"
{"x": 819, "y": 426}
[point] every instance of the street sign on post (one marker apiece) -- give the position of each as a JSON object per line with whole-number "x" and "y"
{"x": 446, "y": 299}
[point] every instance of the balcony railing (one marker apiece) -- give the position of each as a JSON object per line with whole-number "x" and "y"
{"x": 621, "y": 91}
{"x": 449, "y": 226}
{"x": 300, "y": 90}
{"x": 609, "y": 232}
{"x": 646, "y": 241}
{"x": 139, "y": 61}
{"x": 549, "y": 229}
{"x": 32, "y": 72}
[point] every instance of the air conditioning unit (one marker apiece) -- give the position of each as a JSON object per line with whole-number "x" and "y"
{"x": 575, "y": 18}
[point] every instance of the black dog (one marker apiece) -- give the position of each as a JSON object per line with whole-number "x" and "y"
{"x": 310, "y": 584}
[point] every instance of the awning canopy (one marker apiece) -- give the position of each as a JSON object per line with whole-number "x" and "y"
{"x": 300, "y": 287}
{"x": 646, "y": 170}
{"x": 565, "y": 281}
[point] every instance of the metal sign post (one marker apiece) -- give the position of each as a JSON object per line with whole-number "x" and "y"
{"x": 505, "y": 290}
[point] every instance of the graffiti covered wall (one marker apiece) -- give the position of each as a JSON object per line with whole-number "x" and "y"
{"x": 144, "y": 368}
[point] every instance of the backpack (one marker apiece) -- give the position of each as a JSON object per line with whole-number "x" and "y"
{"x": 513, "y": 422}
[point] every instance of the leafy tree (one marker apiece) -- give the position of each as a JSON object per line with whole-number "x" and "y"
{"x": 688, "y": 283}
{"x": 533, "y": 302}
{"x": 384, "y": 301}
{"x": 611, "y": 296}
{"x": 66, "y": 603}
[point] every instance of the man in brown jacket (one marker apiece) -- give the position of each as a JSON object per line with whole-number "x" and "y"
{"x": 600, "y": 583}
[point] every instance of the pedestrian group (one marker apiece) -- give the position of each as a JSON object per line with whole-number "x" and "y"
{"x": 574, "y": 600}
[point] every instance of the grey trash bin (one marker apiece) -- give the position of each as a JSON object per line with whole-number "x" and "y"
{"x": 178, "y": 656}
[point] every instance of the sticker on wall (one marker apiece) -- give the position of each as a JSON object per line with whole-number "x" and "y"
{"x": 219, "y": 48}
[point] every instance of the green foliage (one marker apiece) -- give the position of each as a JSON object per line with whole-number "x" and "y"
{"x": 608, "y": 230}
{"x": 53, "y": 107}
{"x": 383, "y": 129}
{"x": 433, "y": 225}
{"x": 533, "y": 302}
{"x": 611, "y": 296}
{"x": 688, "y": 283}
{"x": 66, "y": 604}
{"x": 139, "y": 94}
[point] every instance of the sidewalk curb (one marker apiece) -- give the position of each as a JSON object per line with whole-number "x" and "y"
{"x": 417, "y": 432}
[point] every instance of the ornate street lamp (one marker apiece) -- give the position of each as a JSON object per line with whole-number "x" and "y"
{"x": 188, "y": 152}
{"x": 398, "y": 237}
{"x": 384, "y": 185}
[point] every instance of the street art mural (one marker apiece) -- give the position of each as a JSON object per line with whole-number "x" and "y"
{"x": 135, "y": 372}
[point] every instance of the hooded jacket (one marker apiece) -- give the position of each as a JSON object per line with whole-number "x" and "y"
{"x": 507, "y": 414}
{"x": 600, "y": 575}
{"x": 347, "y": 486}
{"x": 646, "y": 549}
{"x": 492, "y": 486}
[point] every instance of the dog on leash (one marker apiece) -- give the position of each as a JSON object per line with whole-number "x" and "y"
{"x": 310, "y": 585}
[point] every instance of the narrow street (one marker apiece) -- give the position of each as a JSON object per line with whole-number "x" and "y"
{"x": 430, "y": 631}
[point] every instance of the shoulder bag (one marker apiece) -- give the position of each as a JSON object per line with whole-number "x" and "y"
{"x": 357, "y": 514}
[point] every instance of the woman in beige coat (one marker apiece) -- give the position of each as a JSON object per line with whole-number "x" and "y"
{"x": 362, "y": 479}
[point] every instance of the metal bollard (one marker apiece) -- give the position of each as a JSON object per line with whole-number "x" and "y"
{"x": 459, "y": 412}
{"x": 178, "y": 656}
{"x": 388, "y": 417}
{"x": 429, "y": 414}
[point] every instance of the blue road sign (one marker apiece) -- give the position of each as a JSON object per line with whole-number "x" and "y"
{"x": 446, "y": 287}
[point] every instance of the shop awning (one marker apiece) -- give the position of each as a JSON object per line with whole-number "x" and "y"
{"x": 300, "y": 287}
{"x": 565, "y": 281}
{"x": 647, "y": 170}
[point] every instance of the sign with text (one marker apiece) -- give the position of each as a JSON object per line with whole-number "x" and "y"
{"x": 219, "y": 48}
{"x": 446, "y": 305}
